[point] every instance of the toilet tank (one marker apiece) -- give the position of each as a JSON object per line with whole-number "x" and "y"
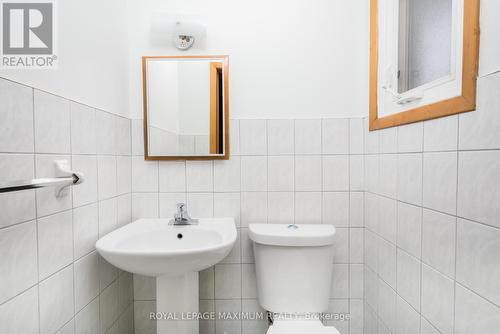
{"x": 294, "y": 266}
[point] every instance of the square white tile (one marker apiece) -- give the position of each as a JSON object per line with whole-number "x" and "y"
{"x": 253, "y": 208}
{"x": 85, "y": 229}
{"x": 254, "y": 173}
{"x": 388, "y": 177}
{"x": 281, "y": 173}
{"x": 234, "y": 137}
{"x": 86, "y": 280}
{"x": 441, "y": 134}
{"x": 18, "y": 263}
{"x": 372, "y": 139}
{"x": 253, "y": 137}
{"x": 106, "y": 177}
{"x": 281, "y": 207}
{"x": 409, "y": 236}
{"x": 144, "y": 175}
{"x": 473, "y": 314}
{"x": 411, "y": 138}
{"x": 410, "y": 178}
{"x": 308, "y": 173}
{"x": 438, "y": 293}
{"x": 137, "y": 126}
{"x": 227, "y": 175}
{"x": 108, "y": 216}
{"x": 438, "y": 241}
{"x": 124, "y": 209}
{"x": 389, "y": 140}
{"x": 478, "y": 268}
{"x": 123, "y": 175}
{"x": 479, "y": 129}
{"x": 172, "y": 176}
{"x": 55, "y": 243}
{"x": 145, "y": 205}
{"x": 227, "y": 281}
{"x": 83, "y": 129}
{"x": 200, "y": 204}
{"x": 479, "y": 186}
{"x": 341, "y": 245}
{"x": 199, "y": 176}
{"x": 388, "y": 218}
{"x": 335, "y": 208}
{"x": 440, "y": 182}
{"x": 280, "y": 137}
{"x": 123, "y": 136}
{"x": 308, "y": 208}
{"x": 227, "y": 205}
{"x": 407, "y": 319}
{"x": 408, "y": 278}
{"x": 308, "y": 136}
{"x": 356, "y": 245}
{"x": 52, "y": 123}
{"x": 356, "y": 209}
{"x": 16, "y": 103}
{"x": 356, "y": 136}
{"x": 340, "y": 282}
{"x": 336, "y": 173}
{"x": 20, "y": 314}
{"x": 387, "y": 262}
{"x": 56, "y": 300}
{"x": 335, "y": 134}
{"x": 356, "y": 173}
{"x": 106, "y": 133}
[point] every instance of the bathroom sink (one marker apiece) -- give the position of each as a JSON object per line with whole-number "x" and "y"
{"x": 152, "y": 247}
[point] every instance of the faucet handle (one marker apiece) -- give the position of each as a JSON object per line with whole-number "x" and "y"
{"x": 181, "y": 207}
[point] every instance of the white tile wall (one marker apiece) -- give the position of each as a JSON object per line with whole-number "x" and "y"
{"x": 49, "y": 272}
{"x": 280, "y": 171}
{"x": 448, "y": 237}
{"x": 411, "y": 201}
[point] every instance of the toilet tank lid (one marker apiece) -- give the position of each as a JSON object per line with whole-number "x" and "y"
{"x": 307, "y": 235}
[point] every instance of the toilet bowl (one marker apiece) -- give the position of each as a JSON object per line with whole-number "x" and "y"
{"x": 294, "y": 266}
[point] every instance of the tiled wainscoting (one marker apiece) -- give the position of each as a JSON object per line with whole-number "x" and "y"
{"x": 51, "y": 278}
{"x": 432, "y": 211}
{"x": 280, "y": 171}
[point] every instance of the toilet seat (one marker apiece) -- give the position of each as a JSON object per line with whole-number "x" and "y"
{"x": 301, "y": 327}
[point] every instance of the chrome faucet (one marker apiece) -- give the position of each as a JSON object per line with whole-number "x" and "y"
{"x": 182, "y": 217}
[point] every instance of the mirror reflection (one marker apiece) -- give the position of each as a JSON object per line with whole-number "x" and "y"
{"x": 185, "y": 107}
{"x": 425, "y": 42}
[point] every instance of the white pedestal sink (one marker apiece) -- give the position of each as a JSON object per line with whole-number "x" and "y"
{"x": 175, "y": 255}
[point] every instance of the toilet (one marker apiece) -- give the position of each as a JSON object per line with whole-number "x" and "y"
{"x": 294, "y": 271}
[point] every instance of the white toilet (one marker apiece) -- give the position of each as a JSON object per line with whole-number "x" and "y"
{"x": 294, "y": 271}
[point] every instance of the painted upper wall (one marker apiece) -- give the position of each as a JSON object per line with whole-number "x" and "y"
{"x": 93, "y": 56}
{"x": 288, "y": 58}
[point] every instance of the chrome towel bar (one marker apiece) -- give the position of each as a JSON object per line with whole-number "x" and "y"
{"x": 61, "y": 182}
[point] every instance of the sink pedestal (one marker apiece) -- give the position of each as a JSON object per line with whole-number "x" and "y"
{"x": 177, "y": 296}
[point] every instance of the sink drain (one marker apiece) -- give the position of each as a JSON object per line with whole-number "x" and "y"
{"x": 179, "y": 236}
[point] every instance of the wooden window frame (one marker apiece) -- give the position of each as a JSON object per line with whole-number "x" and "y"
{"x": 463, "y": 103}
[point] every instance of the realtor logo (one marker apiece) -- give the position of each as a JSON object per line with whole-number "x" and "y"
{"x": 28, "y": 31}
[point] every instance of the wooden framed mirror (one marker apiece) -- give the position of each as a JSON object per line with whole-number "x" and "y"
{"x": 186, "y": 107}
{"x": 423, "y": 60}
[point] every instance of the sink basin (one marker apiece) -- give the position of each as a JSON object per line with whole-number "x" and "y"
{"x": 151, "y": 247}
{"x": 175, "y": 255}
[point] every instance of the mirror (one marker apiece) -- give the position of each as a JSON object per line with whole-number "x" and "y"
{"x": 186, "y": 106}
{"x": 423, "y": 60}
